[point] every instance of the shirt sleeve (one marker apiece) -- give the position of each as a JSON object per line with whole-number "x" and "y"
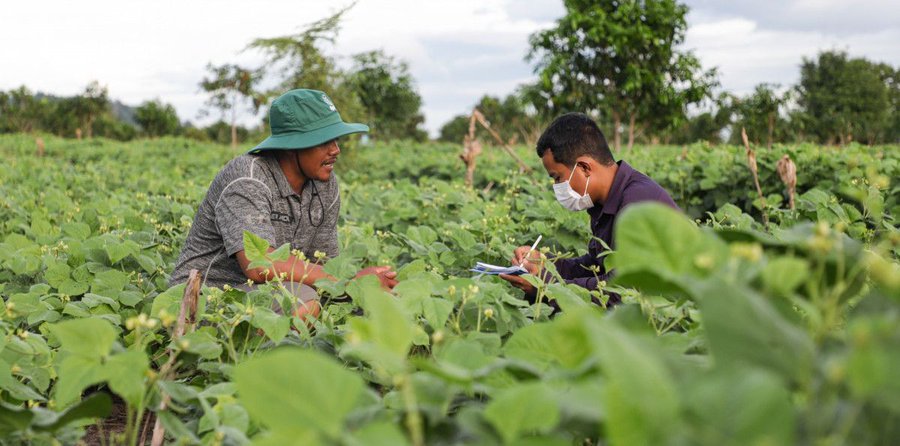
{"x": 573, "y": 267}
{"x": 244, "y": 205}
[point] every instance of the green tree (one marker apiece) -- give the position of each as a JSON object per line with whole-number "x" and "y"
{"x": 620, "y": 61}
{"x": 89, "y": 106}
{"x": 157, "y": 118}
{"x": 387, "y": 92}
{"x": 844, "y": 99}
{"x": 455, "y": 129}
{"x": 21, "y": 111}
{"x": 759, "y": 113}
{"x": 300, "y": 61}
{"x": 232, "y": 89}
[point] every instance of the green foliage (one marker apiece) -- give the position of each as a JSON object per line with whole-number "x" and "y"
{"x": 387, "y": 92}
{"x": 730, "y": 332}
{"x": 157, "y": 118}
{"x": 846, "y": 100}
{"x": 620, "y": 60}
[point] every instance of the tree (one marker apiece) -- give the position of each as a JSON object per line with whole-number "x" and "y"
{"x": 299, "y": 61}
{"x": 21, "y": 111}
{"x": 844, "y": 99}
{"x": 89, "y": 105}
{"x": 618, "y": 60}
{"x": 759, "y": 114}
{"x": 231, "y": 88}
{"x": 157, "y": 118}
{"x": 387, "y": 92}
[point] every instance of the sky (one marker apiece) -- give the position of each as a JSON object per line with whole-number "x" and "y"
{"x": 457, "y": 50}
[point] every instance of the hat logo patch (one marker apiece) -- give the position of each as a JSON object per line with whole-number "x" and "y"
{"x": 328, "y": 102}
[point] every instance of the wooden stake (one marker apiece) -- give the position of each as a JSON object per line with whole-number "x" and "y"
{"x": 751, "y": 161}
{"x": 186, "y": 318}
{"x": 39, "y": 142}
{"x": 787, "y": 170}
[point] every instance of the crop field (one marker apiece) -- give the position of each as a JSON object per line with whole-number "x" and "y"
{"x": 743, "y": 322}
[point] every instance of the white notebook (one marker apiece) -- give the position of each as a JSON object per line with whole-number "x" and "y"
{"x": 486, "y": 268}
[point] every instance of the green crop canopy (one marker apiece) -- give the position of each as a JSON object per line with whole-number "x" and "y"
{"x": 301, "y": 119}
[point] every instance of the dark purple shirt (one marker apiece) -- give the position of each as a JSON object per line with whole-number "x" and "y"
{"x": 629, "y": 187}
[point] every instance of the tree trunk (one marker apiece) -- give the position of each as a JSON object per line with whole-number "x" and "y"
{"x": 631, "y": 120}
{"x": 78, "y": 133}
{"x": 89, "y": 127}
{"x": 617, "y": 136}
{"x": 234, "y": 141}
{"x": 771, "y": 130}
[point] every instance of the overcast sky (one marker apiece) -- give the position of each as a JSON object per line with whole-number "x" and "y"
{"x": 457, "y": 50}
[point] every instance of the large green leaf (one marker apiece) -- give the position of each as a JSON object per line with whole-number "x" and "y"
{"x": 634, "y": 367}
{"x": 523, "y": 409}
{"x": 659, "y": 250}
{"x": 292, "y": 391}
{"x": 742, "y": 326}
{"x": 92, "y": 338}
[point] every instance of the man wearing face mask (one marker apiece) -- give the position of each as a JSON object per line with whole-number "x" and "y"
{"x": 284, "y": 191}
{"x": 586, "y": 177}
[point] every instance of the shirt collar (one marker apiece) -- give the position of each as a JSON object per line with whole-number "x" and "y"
{"x": 280, "y": 180}
{"x": 614, "y": 198}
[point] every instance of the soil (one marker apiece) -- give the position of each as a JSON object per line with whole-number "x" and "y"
{"x": 107, "y": 431}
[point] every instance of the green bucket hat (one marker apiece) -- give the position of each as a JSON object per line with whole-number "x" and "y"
{"x": 301, "y": 119}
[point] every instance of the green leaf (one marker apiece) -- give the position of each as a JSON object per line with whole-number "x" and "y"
{"x": 784, "y": 274}
{"x": 741, "y": 406}
{"x": 273, "y": 324}
{"x": 199, "y": 342}
{"x": 118, "y": 251}
{"x": 14, "y": 419}
{"x": 57, "y": 274}
{"x": 75, "y": 374}
{"x": 436, "y": 311}
{"x": 652, "y": 239}
{"x": 523, "y": 409}
{"x": 95, "y": 406}
{"x": 281, "y": 254}
{"x": 92, "y": 338}
{"x": 379, "y": 433}
{"x": 72, "y": 288}
{"x": 169, "y": 300}
{"x": 329, "y": 391}
{"x": 109, "y": 282}
{"x": 255, "y": 248}
{"x": 77, "y": 230}
{"x": 742, "y": 326}
{"x": 125, "y": 374}
{"x": 634, "y": 367}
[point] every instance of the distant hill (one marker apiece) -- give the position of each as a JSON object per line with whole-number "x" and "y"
{"x": 121, "y": 111}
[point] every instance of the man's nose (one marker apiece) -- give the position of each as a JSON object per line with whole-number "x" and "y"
{"x": 335, "y": 150}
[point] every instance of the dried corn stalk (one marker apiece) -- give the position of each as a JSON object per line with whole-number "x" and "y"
{"x": 787, "y": 170}
{"x": 751, "y": 161}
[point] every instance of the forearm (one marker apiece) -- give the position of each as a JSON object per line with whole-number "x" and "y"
{"x": 292, "y": 270}
{"x": 574, "y": 267}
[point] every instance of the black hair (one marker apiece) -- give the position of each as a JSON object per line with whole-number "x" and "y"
{"x": 572, "y": 135}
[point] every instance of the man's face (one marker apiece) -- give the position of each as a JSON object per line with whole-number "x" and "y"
{"x": 317, "y": 163}
{"x": 559, "y": 172}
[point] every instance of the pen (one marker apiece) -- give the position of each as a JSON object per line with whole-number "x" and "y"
{"x": 531, "y": 250}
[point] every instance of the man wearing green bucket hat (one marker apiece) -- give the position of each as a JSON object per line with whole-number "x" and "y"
{"x": 282, "y": 190}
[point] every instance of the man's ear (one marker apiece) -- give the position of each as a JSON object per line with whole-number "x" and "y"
{"x": 585, "y": 163}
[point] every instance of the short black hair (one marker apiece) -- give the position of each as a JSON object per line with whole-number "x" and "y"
{"x": 572, "y": 135}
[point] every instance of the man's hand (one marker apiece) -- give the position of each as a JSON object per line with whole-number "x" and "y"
{"x": 531, "y": 264}
{"x": 519, "y": 282}
{"x": 387, "y": 277}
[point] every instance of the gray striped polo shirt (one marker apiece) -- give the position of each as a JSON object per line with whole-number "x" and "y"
{"x": 252, "y": 194}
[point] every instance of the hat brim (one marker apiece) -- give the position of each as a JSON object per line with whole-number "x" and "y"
{"x": 305, "y": 140}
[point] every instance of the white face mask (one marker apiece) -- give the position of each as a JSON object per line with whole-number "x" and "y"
{"x": 571, "y": 200}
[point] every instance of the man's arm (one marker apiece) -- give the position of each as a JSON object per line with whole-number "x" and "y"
{"x": 294, "y": 270}
{"x": 574, "y": 267}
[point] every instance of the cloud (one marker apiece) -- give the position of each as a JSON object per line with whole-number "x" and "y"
{"x": 457, "y": 50}
{"x": 832, "y": 17}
